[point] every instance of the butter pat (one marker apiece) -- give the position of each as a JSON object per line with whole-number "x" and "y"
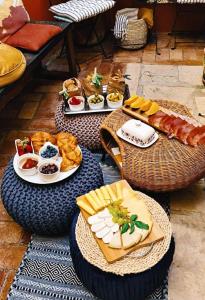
{"x": 138, "y": 131}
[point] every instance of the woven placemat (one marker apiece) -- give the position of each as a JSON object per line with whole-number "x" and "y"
{"x": 165, "y": 166}
{"x": 130, "y": 263}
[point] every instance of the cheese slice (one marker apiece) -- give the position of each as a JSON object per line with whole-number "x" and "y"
{"x": 97, "y": 200}
{"x": 105, "y": 194}
{"x": 129, "y": 240}
{"x": 101, "y": 197}
{"x": 119, "y": 190}
{"x": 113, "y": 197}
{"x": 92, "y": 202}
{"x": 116, "y": 241}
{"x": 82, "y": 204}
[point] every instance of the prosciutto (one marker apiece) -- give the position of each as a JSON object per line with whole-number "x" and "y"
{"x": 156, "y": 118}
{"x": 181, "y": 128}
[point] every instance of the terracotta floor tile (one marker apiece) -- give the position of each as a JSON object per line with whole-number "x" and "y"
{"x": 8, "y": 147}
{"x": 14, "y": 124}
{"x": 31, "y": 97}
{"x": 28, "y": 110}
{"x": 6, "y": 286}
{"x": 4, "y": 159}
{"x": 47, "y": 107}
{"x": 148, "y": 56}
{"x": 10, "y": 233}
{"x": 163, "y": 57}
{"x": 4, "y": 217}
{"x": 55, "y": 88}
{"x": 17, "y": 134}
{"x": 11, "y": 256}
{"x": 189, "y": 55}
{"x": 42, "y": 124}
{"x": 176, "y": 55}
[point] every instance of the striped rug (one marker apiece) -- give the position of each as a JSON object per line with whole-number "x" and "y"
{"x": 47, "y": 272}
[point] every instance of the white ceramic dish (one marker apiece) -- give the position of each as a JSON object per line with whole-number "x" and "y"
{"x": 97, "y": 105}
{"x": 113, "y": 104}
{"x": 48, "y": 177}
{"x": 22, "y": 159}
{"x": 17, "y": 147}
{"x": 36, "y": 178}
{"x": 77, "y": 107}
{"x": 156, "y": 136}
{"x": 44, "y": 148}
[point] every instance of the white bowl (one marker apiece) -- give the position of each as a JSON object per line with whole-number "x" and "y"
{"x": 97, "y": 105}
{"x": 77, "y": 107}
{"x": 43, "y": 148}
{"x": 48, "y": 177}
{"x": 22, "y": 159}
{"x": 113, "y": 104}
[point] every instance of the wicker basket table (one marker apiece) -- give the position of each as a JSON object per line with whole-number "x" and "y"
{"x": 165, "y": 166}
{"x": 48, "y": 209}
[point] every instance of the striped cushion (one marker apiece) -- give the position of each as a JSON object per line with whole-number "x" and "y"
{"x": 78, "y": 10}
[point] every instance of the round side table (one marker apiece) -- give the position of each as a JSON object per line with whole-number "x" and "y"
{"x": 86, "y": 127}
{"x": 109, "y": 286}
{"x": 49, "y": 209}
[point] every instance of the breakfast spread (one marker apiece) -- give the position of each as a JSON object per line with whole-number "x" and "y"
{"x": 187, "y": 130}
{"x": 54, "y": 155}
{"x": 97, "y": 93}
{"x": 118, "y": 219}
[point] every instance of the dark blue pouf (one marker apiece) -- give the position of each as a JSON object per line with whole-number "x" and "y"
{"x": 108, "y": 286}
{"x": 48, "y": 209}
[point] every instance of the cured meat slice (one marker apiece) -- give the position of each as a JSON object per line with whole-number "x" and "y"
{"x": 176, "y": 124}
{"x": 156, "y": 118}
{"x": 196, "y": 135}
{"x": 201, "y": 141}
{"x": 166, "y": 123}
{"x": 184, "y": 131}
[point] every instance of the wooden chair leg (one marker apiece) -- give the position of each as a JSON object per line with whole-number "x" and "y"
{"x": 70, "y": 53}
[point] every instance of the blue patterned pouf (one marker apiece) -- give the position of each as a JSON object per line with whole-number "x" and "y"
{"x": 108, "y": 286}
{"x": 48, "y": 209}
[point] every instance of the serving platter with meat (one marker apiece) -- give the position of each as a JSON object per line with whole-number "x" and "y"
{"x": 187, "y": 130}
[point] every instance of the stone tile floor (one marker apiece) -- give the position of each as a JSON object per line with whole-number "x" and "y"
{"x": 34, "y": 109}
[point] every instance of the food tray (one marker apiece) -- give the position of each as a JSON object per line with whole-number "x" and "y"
{"x": 112, "y": 255}
{"x": 87, "y": 110}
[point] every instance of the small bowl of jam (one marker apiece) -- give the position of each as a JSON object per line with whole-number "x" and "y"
{"x": 76, "y": 103}
{"x": 49, "y": 171}
{"x": 28, "y": 164}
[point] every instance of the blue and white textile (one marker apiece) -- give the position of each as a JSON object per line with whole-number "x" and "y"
{"x": 121, "y": 21}
{"x": 79, "y": 10}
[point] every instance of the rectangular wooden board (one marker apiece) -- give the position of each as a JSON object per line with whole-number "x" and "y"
{"x": 113, "y": 255}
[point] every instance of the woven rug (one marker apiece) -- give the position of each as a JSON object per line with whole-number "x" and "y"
{"x": 47, "y": 271}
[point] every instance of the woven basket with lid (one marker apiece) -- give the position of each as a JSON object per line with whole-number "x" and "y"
{"x": 165, "y": 166}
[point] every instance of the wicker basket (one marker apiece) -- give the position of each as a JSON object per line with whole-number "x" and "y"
{"x": 136, "y": 34}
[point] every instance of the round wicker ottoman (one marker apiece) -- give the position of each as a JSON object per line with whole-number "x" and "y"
{"x": 48, "y": 209}
{"x": 108, "y": 286}
{"x": 167, "y": 165}
{"x": 84, "y": 126}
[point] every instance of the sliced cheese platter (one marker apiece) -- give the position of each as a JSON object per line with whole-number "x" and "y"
{"x": 119, "y": 220}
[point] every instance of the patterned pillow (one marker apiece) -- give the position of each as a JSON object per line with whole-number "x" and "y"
{"x": 78, "y": 10}
{"x": 12, "y": 17}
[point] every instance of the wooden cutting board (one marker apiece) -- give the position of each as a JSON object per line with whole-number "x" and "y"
{"x": 113, "y": 255}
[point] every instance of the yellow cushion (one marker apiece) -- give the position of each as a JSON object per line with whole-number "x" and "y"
{"x": 12, "y": 64}
{"x": 147, "y": 15}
